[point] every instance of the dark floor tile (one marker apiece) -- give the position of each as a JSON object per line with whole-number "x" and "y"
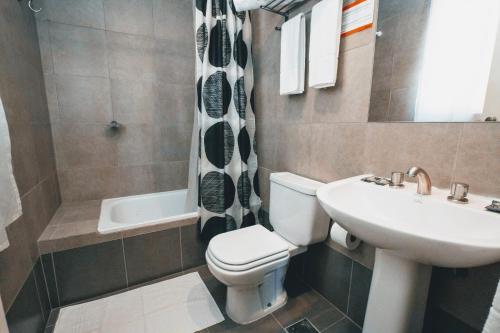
{"x": 42, "y": 289}
{"x": 265, "y": 325}
{"x": 360, "y": 288}
{"x": 302, "y": 326}
{"x": 343, "y": 326}
{"x": 48, "y": 270}
{"x": 303, "y": 302}
{"x": 25, "y": 315}
{"x": 329, "y": 272}
{"x": 153, "y": 255}
{"x": 193, "y": 249}
{"x": 89, "y": 271}
{"x": 443, "y": 322}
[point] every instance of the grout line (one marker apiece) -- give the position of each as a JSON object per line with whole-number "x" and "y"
{"x": 457, "y": 150}
{"x": 37, "y": 288}
{"x": 350, "y": 286}
{"x": 180, "y": 249}
{"x": 124, "y": 261}
{"x": 335, "y": 323}
{"x": 276, "y": 320}
{"x": 55, "y": 279}
{"x": 45, "y": 281}
{"x": 330, "y": 303}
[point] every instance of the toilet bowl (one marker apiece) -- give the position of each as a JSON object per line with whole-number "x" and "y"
{"x": 252, "y": 262}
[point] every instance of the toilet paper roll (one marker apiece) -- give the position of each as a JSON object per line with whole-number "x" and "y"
{"x": 342, "y": 237}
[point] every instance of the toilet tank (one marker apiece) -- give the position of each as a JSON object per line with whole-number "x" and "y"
{"x": 294, "y": 211}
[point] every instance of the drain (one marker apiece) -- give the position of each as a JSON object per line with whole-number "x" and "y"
{"x": 302, "y": 326}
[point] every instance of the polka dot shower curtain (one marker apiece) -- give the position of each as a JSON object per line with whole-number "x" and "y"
{"x": 228, "y": 184}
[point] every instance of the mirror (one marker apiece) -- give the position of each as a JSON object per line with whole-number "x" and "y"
{"x": 436, "y": 61}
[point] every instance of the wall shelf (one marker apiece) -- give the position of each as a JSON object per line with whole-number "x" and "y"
{"x": 283, "y": 7}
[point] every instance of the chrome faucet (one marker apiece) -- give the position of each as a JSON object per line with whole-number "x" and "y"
{"x": 424, "y": 185}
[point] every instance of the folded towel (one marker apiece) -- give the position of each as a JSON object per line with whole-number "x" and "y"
{"x": 326, "y": 26}
{"x": 293, "y": 55}
{"x": 242, "y": 5}
{"x": 492, "y": 324}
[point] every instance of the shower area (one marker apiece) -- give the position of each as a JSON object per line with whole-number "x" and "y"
{"x": 133, "y": 143}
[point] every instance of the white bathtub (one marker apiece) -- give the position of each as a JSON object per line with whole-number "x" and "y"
{"x": 136, "y": 211}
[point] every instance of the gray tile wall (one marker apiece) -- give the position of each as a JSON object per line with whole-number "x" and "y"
{"x": 23, "y": 95}
{"x": 131, "y": 61}
{"x": 325, "y": 135}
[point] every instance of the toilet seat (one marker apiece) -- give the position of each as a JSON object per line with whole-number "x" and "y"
{"x": 246, "y": 248}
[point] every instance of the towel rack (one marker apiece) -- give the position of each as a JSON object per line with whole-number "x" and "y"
{"x": 283, "y": 7}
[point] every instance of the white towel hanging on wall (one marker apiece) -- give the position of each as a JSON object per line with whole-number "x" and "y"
{"x": 293, "y": 56}
{"x": 326, "y": 26}
{"x": 10, "y": 205}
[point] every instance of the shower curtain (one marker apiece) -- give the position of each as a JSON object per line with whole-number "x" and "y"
{"x": 224, "y": 149}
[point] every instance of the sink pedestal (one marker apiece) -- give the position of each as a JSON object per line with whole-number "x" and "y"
{"x": 398, "y": 295}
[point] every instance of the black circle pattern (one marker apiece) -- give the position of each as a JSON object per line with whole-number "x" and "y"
{"x": 240, "y": 51}
{"x": 256, "y": 186}
{"x": 201, "y": 40}
{"x": 217, "y": 192}
{"x": 219, "y": 8}
{"x": 217, "y": 225}
{"x": 244, "y": 190}
{"x": 217, "y": 94}
{"x": 248, "y": 220}
{"x": 240, "y": 97}
{"x": 241, "y": 15}
{"x": 227, "y": 165}
{"x": 199, "y": 98}
{"x": 219, "y": 135}
{"x": 219, "y": 50}
{"x": 201, "y": 5}
{"x": 244, "y": 144}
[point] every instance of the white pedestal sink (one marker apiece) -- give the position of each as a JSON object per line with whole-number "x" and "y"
{"x": 411, "y": 232}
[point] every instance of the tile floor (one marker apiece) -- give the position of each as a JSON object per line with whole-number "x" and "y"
{"x": 303, "y": 302}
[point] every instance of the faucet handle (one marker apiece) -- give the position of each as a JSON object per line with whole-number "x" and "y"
{"x": 458, "y": 192}
{"x": 397, "y": 179}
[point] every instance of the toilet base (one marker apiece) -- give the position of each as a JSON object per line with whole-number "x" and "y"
{"x": 246, "y": 304}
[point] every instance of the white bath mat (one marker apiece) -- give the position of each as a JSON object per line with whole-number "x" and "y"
{"x": 179, "y": 305}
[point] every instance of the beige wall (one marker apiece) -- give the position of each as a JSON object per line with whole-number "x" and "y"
{"x": 125, "y": 60}
{"x": 324, "y": 135}
{"x": 23, "y": 95}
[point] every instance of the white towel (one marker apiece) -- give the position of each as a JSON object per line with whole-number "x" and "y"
{"x": 326, "y": 25}
{"x": 293, "y": 55}
{"x": 10, "y": 205}
{"x": 242, "y": 5}
{"x": 492, "y": 324}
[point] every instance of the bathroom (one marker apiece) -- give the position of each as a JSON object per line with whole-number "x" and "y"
{"x": 103, "y": 106}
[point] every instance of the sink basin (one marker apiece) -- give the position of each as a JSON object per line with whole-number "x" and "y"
{"x": 411, "y": 232}
{"x": 428, "y": 229}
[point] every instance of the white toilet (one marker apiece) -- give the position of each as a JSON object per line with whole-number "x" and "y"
{"x": 252, "y": 261}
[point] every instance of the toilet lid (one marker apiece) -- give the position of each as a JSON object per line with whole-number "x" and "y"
{"x": 247, "y": 245}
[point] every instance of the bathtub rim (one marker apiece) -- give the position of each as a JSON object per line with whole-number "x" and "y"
{"x": 115, "y": 227}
